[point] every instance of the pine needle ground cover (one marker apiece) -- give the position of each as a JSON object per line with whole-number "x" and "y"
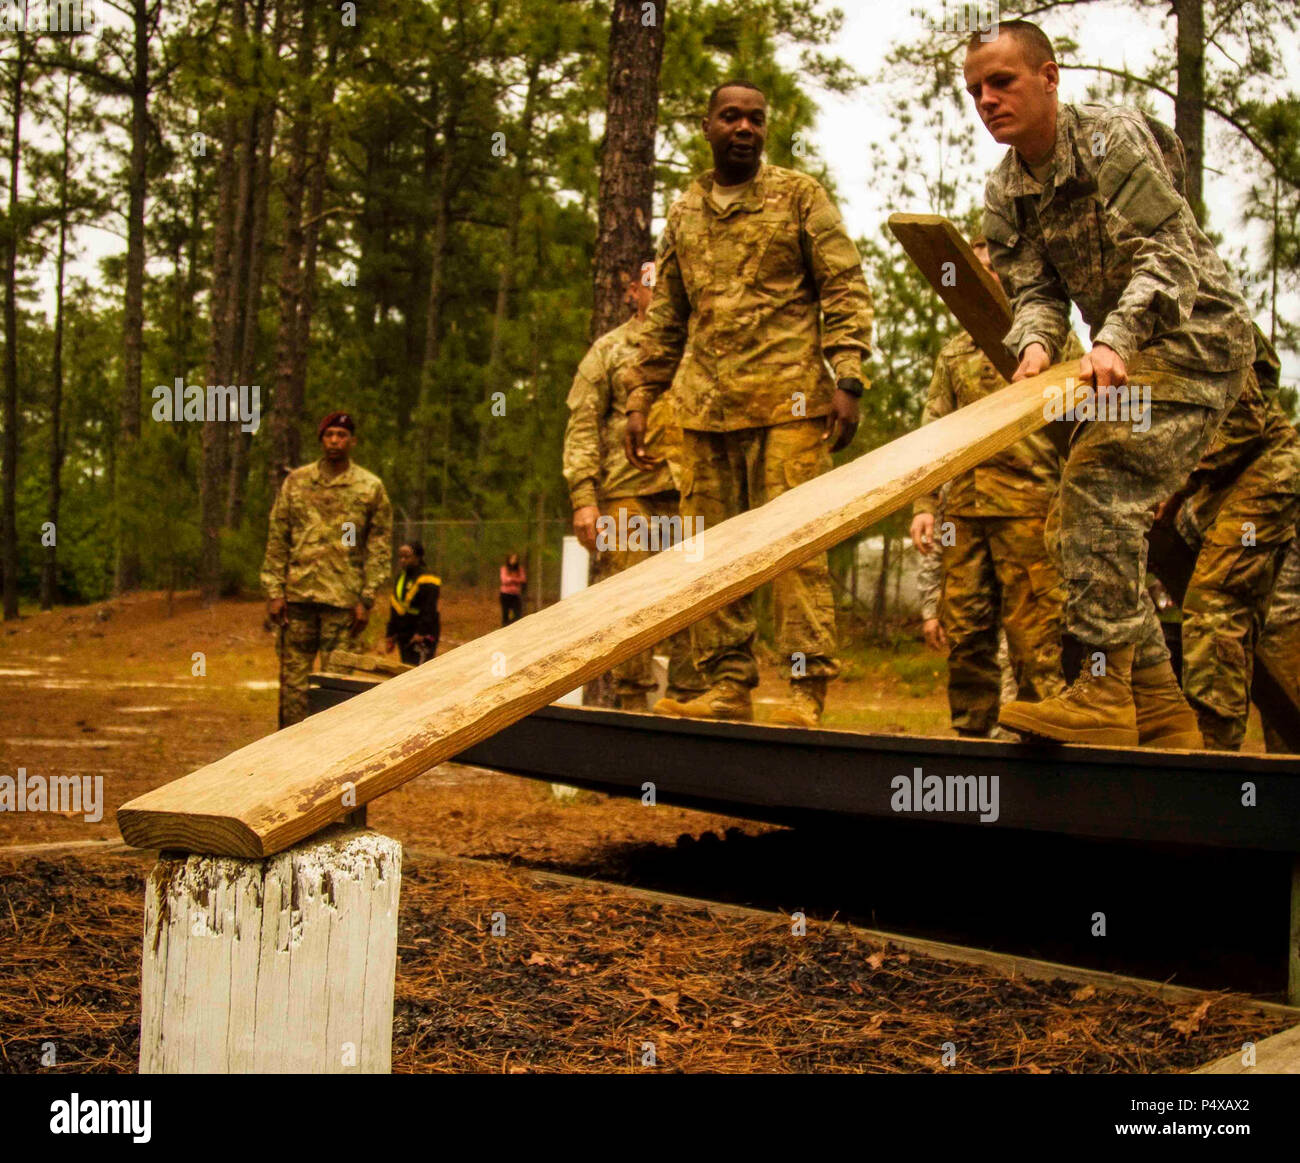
{"x": 501, "y": 970}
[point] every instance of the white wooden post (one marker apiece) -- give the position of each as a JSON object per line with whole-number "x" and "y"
{"x": 282, "y": 965}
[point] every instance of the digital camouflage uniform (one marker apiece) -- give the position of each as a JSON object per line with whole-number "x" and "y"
{"x": 1279, "y": 643}
{"x": 328, "y": 548}
{"x": 1110, "y": 231}
{"x": 1240, "y": 514}
{"x": 751, "y": 304}
{"x": 598, "y": 472}
{"x": 998, "y": 574}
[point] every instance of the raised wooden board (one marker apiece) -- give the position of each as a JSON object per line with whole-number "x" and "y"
{"x": 971, "y": 293}
{"x": 370, "y": 663}
{"x": 286, "y": 786}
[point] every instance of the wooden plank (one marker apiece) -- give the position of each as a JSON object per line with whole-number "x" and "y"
{"x": 275, "y": 966}
{"x": 370, "y": 663}
{"x": 1279, "y": 1054}
{"x": 971, "y": 293}
{"x": 279, "y": 789}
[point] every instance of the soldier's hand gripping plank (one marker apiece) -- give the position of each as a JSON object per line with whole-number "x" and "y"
{"x": 1083, "y": 208}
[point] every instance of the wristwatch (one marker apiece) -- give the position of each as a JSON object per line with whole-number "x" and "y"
{"x": 852, "y": 385}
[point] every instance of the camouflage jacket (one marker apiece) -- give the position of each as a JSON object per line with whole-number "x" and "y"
{"x": 1018, "y": 482}
{"x": 751, "y": 304}
{"x": 330, "y": 539}
{"x": 929, "y": 573}
{"x": 1112, "y": 233}
{"x": 595, "y": 465}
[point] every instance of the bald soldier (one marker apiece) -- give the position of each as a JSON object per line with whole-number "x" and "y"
{"x": 327, "y": 557}
{"x": 1085, "y": 209}
{"x": 760, "y": 322}
{"x": 998, "y": 576}
{"x": 604, "y": 484}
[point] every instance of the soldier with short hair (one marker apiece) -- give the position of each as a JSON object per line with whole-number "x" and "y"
{"x": 1084, "y": 208}
{"x": 327, "y": 558}
{"x": 608, "y": 491}
{"x": 760, "y": 322}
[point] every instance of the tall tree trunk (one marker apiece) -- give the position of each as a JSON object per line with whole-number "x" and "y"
{"x": 213, "y": 478}
{"x": 627, "y": 160}
{"x": 127, "y": 575}
{"x": 433, "y": 333}
{"x": 1189, "y": 105}
{"x": 285, "y": 410}
{"x": 49, "y": 568}
{"x": 9, "y": 550}
{"x": 246, "y": 372}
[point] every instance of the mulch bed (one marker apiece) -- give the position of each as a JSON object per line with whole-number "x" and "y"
{"x": 591, "y": 979}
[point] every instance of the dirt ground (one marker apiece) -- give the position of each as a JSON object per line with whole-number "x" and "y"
{"x": 141, "y": 694}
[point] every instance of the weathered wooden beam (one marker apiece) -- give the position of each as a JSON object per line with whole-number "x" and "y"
{"x": 275, "y": 966}
{"x": 279, "y": 789}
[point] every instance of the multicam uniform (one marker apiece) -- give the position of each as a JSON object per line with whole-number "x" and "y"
{"x": 328, "y": 548}
{"x": 1240, "y": 514}
{"x": 997, "y": 570}
{"x": 1109, "y": 230}
{"x": 930, "y": 586}
{"x": 753, "y": 300}
{"x": 598, "y": 473}
{"x": 1279, "y": 643}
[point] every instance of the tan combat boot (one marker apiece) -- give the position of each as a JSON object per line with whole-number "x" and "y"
{"x": 1164, "y": 717}
{"x": 804, "y": 708}
{"x": 1095, "y": 709}
{"x": 728, "y": 699}
{"x": 634, "y": 702}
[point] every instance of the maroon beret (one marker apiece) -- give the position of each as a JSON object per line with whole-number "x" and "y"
{"x": 336, "y": 420}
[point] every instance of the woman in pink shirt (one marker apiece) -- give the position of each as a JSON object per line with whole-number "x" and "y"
{"x": 514, "y": 578}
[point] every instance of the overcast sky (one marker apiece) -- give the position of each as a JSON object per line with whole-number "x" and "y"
{"x": 846, "y": 125}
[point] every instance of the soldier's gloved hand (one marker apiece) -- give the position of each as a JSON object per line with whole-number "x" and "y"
{"x": 923, "y": 532}
{"x": 842, "y": 419}
{"x": 360, "y": 617}
{"x": 276, "y": 612}
{"x": 634, "y": 443}
{"x": 1034, "y": 360}
{"x": 584, "y": 526}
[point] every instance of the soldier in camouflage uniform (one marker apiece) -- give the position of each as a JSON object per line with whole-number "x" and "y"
{"x": 930, "y": 586}
{"x": 603, "y": 484}
{"x": 1279, "y": 643}
{"x": 327, "y": 557}
{"x": 998, "y": 575}
{"x": 1085, "y": 208}
{"x": 1240, "y": 515}
{"x": 760, "y": 322}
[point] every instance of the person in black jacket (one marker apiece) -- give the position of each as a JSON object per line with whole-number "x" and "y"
{"x": 413, "y": 622}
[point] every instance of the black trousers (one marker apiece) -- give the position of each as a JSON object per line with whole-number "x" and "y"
{"x": 512, "y": 608}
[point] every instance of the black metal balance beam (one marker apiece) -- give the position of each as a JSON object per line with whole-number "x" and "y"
{"x": 788, "y": 775}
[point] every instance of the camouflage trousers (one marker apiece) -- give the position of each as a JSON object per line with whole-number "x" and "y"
{"x": 1243, "y": 529}
{"x": 311, "y": 627}
{"x": 1112, "y": 482}
{"x": 997, "y": 575}
{"x": 636, "y": 675}
{"x": 727, "y": 473}
{"x": 1279, "y": 642}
